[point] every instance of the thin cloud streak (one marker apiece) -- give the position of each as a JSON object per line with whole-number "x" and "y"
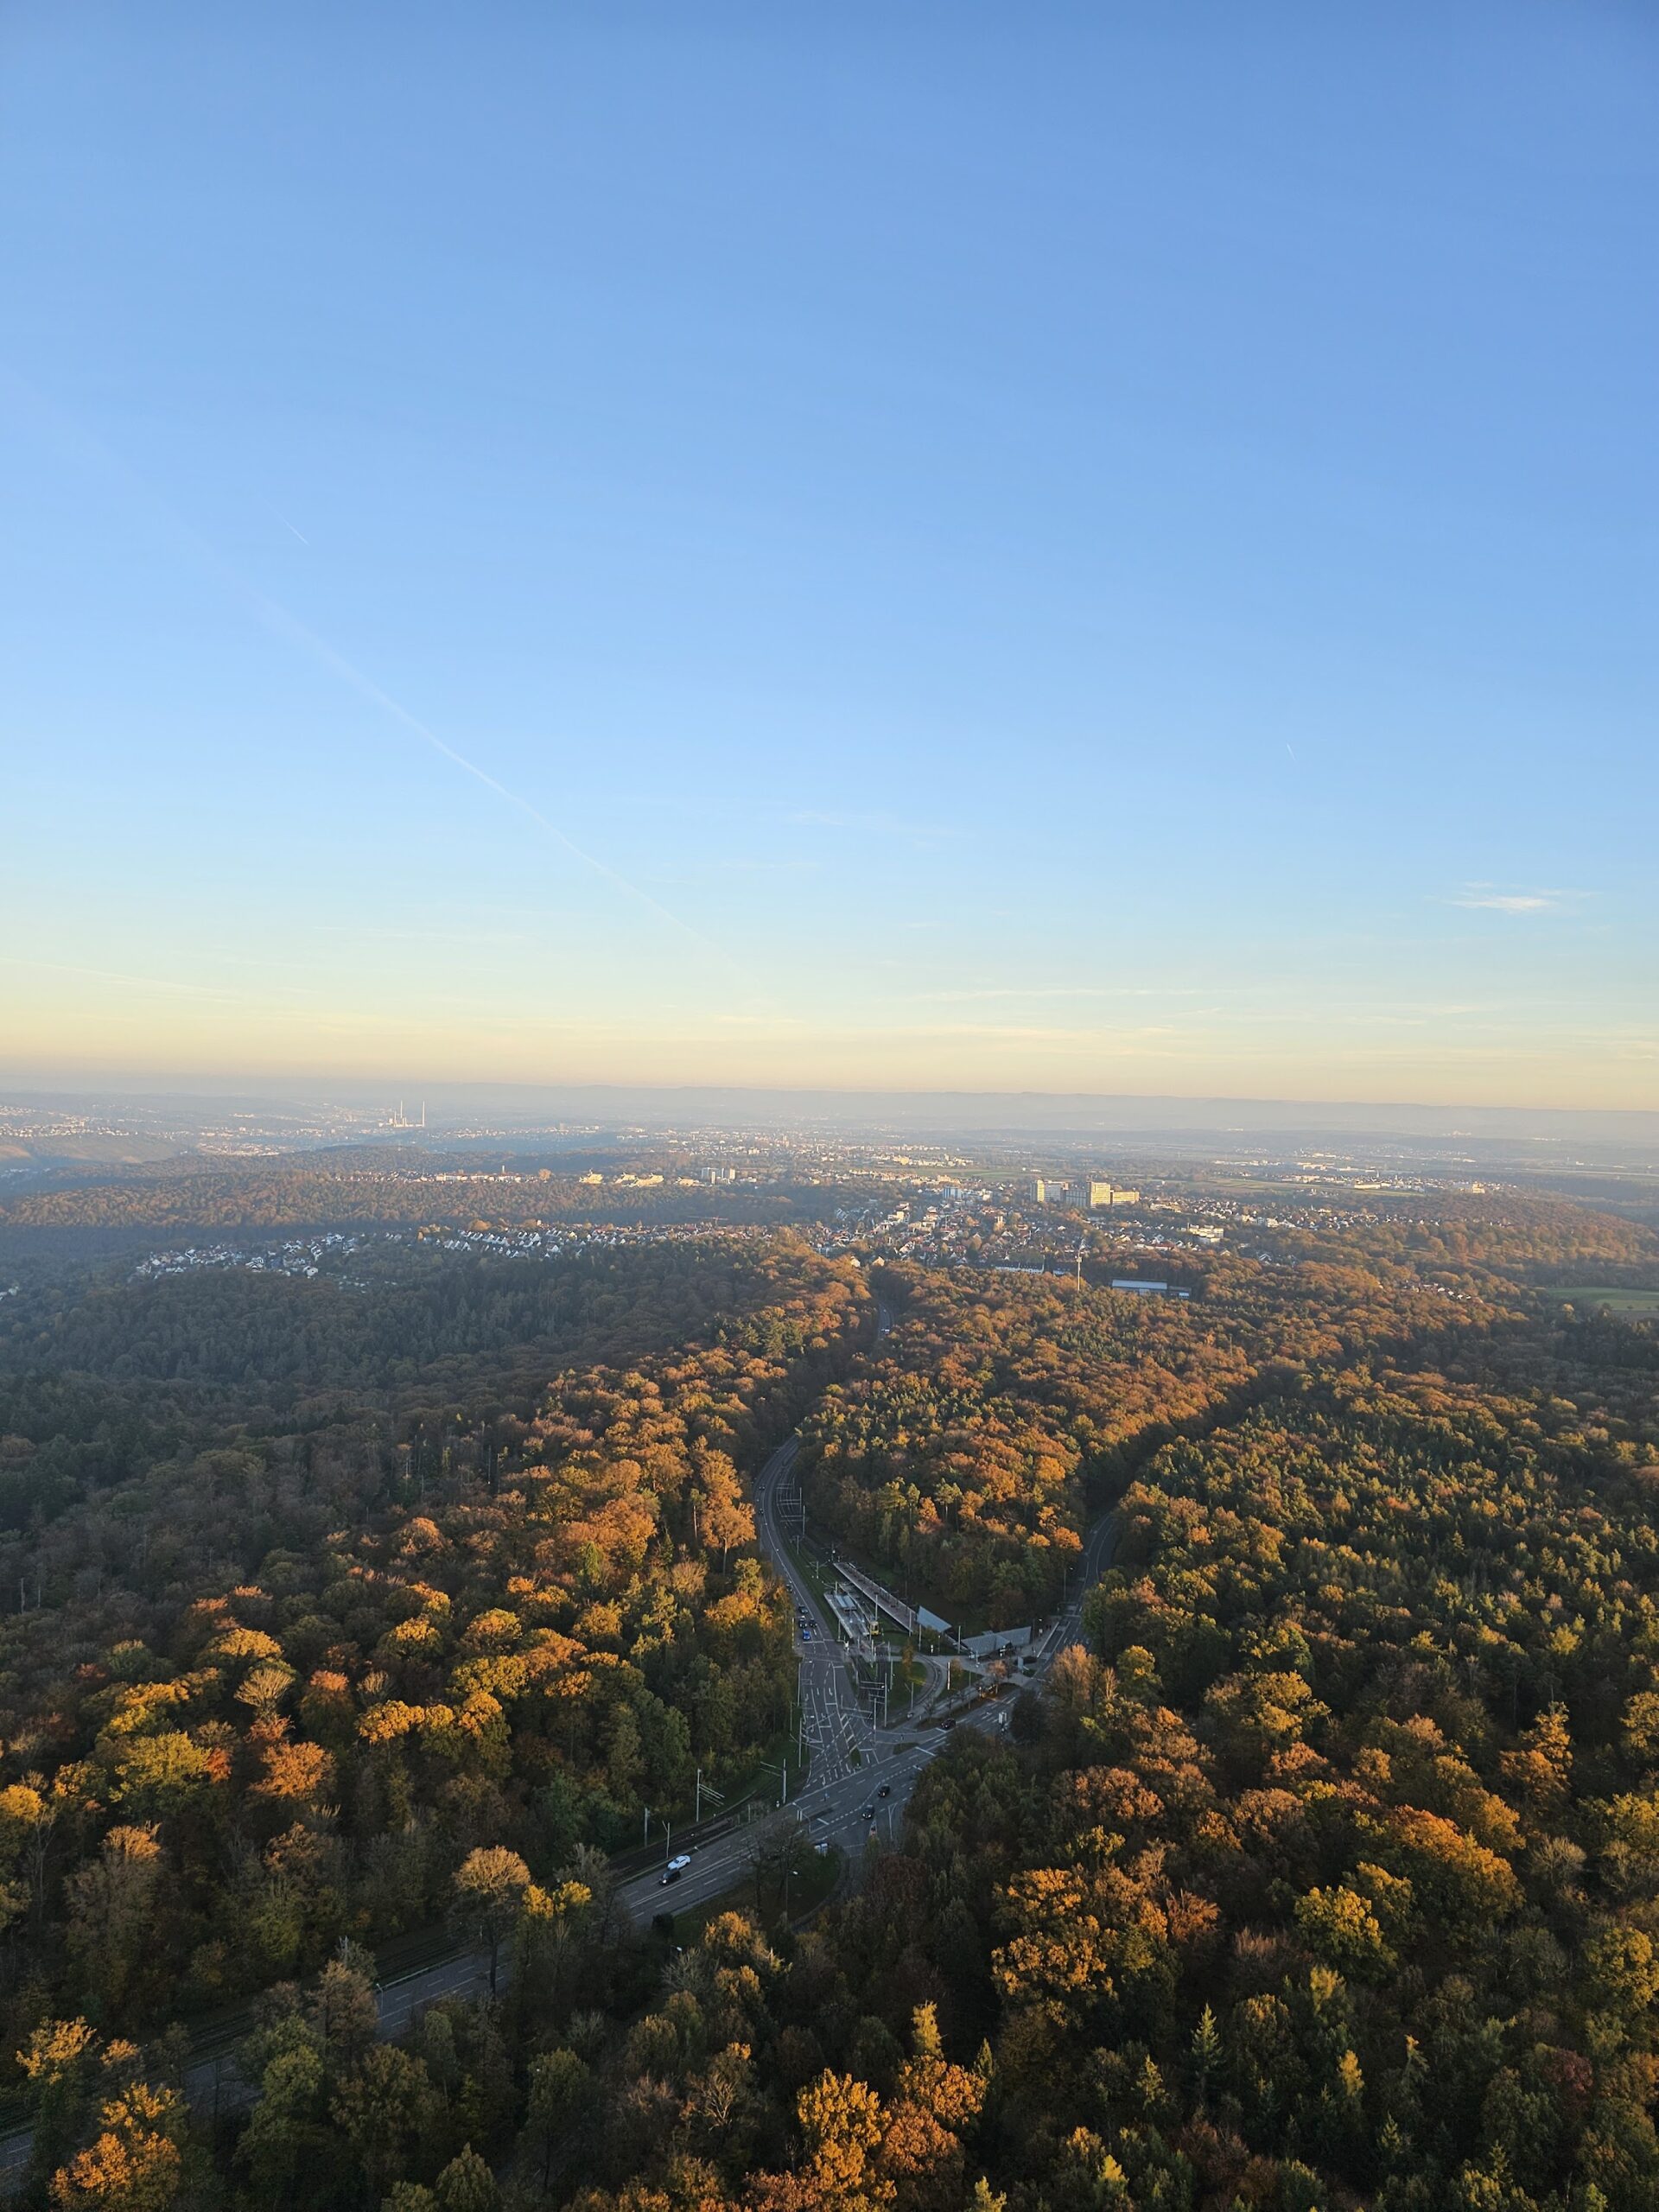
{"x": 871, "y": 825}
{"x": 1485, "y": 896}
{"x": 1046, "y": 991}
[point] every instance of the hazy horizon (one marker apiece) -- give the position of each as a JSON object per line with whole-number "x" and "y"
{"x": 1074, "y": 1114}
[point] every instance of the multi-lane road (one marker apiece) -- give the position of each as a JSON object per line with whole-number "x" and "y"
{"x": 844, "y": 1756}
{"x": 833, "y": 1727}
{"x": 856, "y": 1770}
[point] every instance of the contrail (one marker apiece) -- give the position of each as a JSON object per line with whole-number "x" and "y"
{"x": 300, "y": 534}
{"x": 113, "y": 976}
{"x": 288, "y": 625}
{"x": 278, "y": 618}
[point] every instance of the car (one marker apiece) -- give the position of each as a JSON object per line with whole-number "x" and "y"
{"x": 869, "y": 1812}
{"x": 885, "y": 1790}
{"x": 947, "y": 1724}
{"x": 669, "y": 1874}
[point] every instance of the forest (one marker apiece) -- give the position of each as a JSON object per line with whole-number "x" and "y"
{"x": 356, "y": 1186}
{"x": 1322, "y": 1874}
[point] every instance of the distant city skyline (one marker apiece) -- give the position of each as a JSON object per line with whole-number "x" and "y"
{"x": 916, "y": 551}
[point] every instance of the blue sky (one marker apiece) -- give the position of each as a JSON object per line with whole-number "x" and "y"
{"x": 1060, "y": 548}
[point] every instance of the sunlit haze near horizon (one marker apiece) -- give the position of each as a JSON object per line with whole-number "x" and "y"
{"x": 922, "y": 547}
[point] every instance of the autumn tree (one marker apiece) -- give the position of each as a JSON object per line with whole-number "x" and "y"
{"x": 490, "y": 1889}
{"x": 134, "y": 2163}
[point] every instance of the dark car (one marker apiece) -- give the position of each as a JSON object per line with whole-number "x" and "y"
{"x": 869, "y": 1812}
{"x": 672, "y": 1875}
{"x": 885, "y": 1790}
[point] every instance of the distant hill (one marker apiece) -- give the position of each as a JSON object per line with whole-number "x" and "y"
{"x": 89, "y": 1151}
